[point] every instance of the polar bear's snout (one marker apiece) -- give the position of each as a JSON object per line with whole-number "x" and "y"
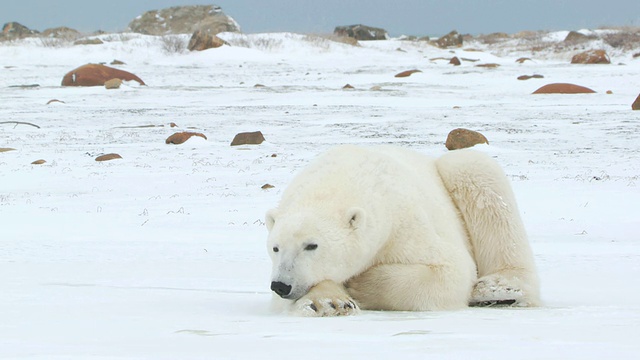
{"x": 280, "y": 288}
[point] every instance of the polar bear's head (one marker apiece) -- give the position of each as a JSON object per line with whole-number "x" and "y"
{"x": 309, "y": 247}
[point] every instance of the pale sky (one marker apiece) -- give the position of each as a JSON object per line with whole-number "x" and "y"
{"x": 409, "y": 17}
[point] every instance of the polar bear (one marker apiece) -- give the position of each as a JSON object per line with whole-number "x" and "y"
{"x": 387, "y": 228}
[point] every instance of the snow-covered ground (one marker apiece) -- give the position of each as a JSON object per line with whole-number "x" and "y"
{"x": 161, "y": 255}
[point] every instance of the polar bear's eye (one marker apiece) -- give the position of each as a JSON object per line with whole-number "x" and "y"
{"x": 311, "y": 247}
{"x": 275, "y": 249}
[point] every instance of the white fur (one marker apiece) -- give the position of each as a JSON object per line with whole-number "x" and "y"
{"x": 397, "y": 230}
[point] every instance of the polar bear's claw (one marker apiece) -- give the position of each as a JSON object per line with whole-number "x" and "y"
{"x": 326, "y": 307}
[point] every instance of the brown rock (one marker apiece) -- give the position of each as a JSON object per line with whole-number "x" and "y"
{"x": 267, "y": 186}
{"x": 113, "y": 84}
{"x": 636, "y": 104}
{"x": 117, "y": 62}
{"x": 489, "y": 65}
{"x": 591, "y": 57}
{"x": 201, "y": 40}
{"x": 636, "y": 55}
{"x": 248, "y": 138}
{"x": 527, "y": 77}
{"x": 407, "y": 73}
{"x": 15, "y": 30}
{"x": 562, "y": 88}
{"x": 107, "y": 157}
{"x": 361, "y": 32}
{"x": 184, "y": 20}
{"x": 523, "y": 59}
{"x": 96, "y": 75}
{"x": 455, "y": 61}
{"x": 38, "y": 162}
{"x": 6, "y": 149}
{"x": 609, "y": 92}
{"x": 259, "y": 86}
{"x": 54, "y": 101}
{"x": 348, "y": 86}
{"x": 179, "y": 138}
{"x": 464, "y": 138}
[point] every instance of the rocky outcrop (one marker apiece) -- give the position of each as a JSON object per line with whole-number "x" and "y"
{"x": 15, "y": 30}
{"x": 96, "y": 75}
{"x": 361, "y": 32}
{"x": 201, "y": 40}
{"x": 452, "y": 39}
{"x": 591, "y": 57}
{"x": 563, "y": 88}
{"x": 464, "y": 138}
{"x": 184, "y": 20}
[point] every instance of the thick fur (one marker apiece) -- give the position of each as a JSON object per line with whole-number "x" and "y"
{"x": 388, "y": 228}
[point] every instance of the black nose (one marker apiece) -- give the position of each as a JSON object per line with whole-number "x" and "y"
{"x": 280, "y": 288}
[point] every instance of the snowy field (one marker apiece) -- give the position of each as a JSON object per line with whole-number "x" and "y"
{"x": 162, "y": 255}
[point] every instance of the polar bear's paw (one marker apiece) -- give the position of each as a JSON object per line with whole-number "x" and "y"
{"x": 496, "y": 290}
{"x": 326, "y": 299}
{"x": 326, "y": 307}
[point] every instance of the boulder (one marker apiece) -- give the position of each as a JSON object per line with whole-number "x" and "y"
{"x": 15, "y": 30}
{"x": 201, "y": 40}
{"x": 562, "y": 88}
{"x": 180, "y": 137}
{"x": 455, "y": 61}
{"x": 452, "y": 39}
{"x": 96, "y": 75}
{"x": 248, "y": 138}
{"x": 184, "y": 20}
{"x": 527, "y": 77}
{"x": 591, "y": 57}
{"x": 575, "y": 37}
{"x": 464, "y": 138}
{"x": 636, "y": 104}
{"x": 407, "y": 73}
{"x": 39, "y": 162}
{"x": 62, "y": 32}
{"x": 361, "y": 32}
{"x": 107, "y": 157}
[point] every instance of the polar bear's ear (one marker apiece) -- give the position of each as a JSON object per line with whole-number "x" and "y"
{"x": 270, "y": 219}
{"x": 356, "y": 217}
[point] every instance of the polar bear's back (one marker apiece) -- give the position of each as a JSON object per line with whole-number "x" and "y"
{"x": 359, "y": 176}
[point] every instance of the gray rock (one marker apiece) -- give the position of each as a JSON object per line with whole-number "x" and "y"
{"x": 361, "y": 32}
{"x": 184, "y": 20}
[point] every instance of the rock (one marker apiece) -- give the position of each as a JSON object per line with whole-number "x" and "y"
{"x": 6, "y": 149}
{"x": 25, "y": 86}
{"x": 94, "y": 41}
{"x": 179, "y": 138}
{"x": 107, "y": 157}
{"x": 96, "y": 75}
{"x": 38, "y": 162}
{"x": 452, "y": 39}
{"x": 407, "y": 73}
{"x": 259, "y": 86}
{"x": 609, "y": 92}
{"x": 527, "y": 77}
{"x": 455, "y": 61}
{"x": 112, "y": 84}
{"x": 117, "y": 62}
{"x": 636, "y": 55}
{"x": 55, "y": 101}
{"x": 15, "y": 30}
{"x": 347, "y": 87}
{"x": 591, "y": 57}
{"x": 201, "y": 40}
{"x": 267, "y": 186}
{"x": 464, "y": 138}
{"x": 636, "y": 104}
{"x": 562, "y": 88}
{"x": 62, "y": 32}
{"x": 488, "y": 65}
{"x": 361, "y": 32}
{"x": 248, "y": 138}
{"x": 575, "y": 37}
{"x": 523, "y": 59}
{"x": 184, "y": 20}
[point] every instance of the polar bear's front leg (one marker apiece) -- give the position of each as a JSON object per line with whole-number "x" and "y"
{"x": 326, "y": 299}
{"x": 412, "y": 287}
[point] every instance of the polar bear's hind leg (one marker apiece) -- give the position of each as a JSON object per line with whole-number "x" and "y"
{"x": 483, "y": 195}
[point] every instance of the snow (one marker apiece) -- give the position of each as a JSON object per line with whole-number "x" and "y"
{"x": 161, "y": 255}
